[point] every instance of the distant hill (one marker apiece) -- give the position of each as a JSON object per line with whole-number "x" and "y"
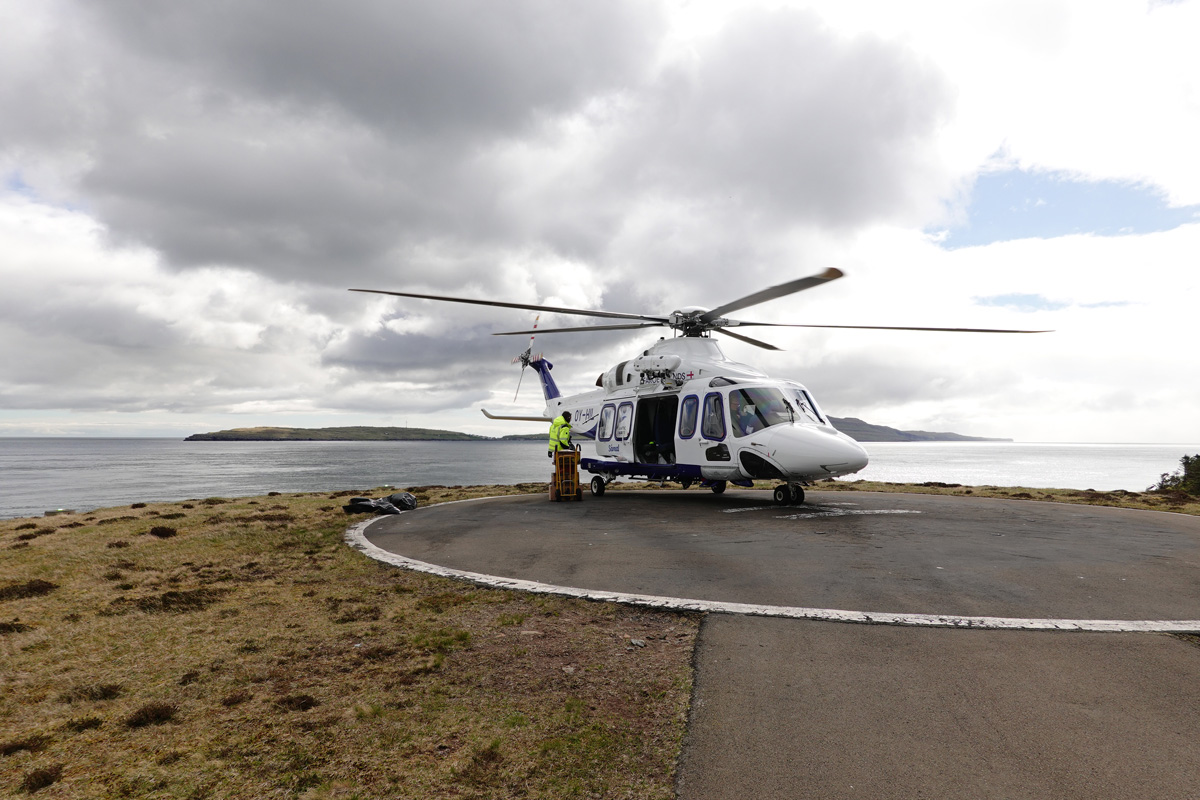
{"x": 851, "y": 426}
{"x": 866, "y": 432}
{"x": 350, "y": 434}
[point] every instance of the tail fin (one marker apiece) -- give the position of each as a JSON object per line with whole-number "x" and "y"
{"x": 543, "y": 367}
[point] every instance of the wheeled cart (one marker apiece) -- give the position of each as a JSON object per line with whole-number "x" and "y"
{"x": 564, "y": 485}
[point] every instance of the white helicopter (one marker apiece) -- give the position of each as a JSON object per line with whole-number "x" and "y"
{"x": 682, "y": 411}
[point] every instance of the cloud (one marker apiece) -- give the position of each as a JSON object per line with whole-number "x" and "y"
{"x": 780, "y": 117}
{"x": 299, "y": 140}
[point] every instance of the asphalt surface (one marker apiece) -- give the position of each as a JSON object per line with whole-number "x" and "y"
{"x": 800, "y": 708}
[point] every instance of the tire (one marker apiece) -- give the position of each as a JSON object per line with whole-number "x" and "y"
{"x": 718, "y": 487}
{"x": 598, "y": 486}
{"x": 783, "y": 495}
{"x": 797, "y": 493}
{"x": 685, "y": 483}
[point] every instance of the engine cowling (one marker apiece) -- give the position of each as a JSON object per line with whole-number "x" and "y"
{"x": 629, "y": 373}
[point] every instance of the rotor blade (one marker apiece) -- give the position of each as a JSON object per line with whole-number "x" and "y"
{"x": 742, "y": 323}
{"x": 519, "y": 419}
{"x": 782, "y": 290}
{"x": 586, "y": 328}
{"x": 518, "y": 391}
{"x": 747, "y": 339}
{"x": 529, "y": 306}
{"x": 536, "y": 320}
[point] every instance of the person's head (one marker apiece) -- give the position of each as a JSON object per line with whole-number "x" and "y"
{"x": 567, "y": 416}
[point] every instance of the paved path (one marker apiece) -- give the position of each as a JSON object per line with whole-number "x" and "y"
{"x": 800, "y": 708}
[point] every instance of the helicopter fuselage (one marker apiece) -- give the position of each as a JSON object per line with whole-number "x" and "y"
{"x": 682, "y": 411}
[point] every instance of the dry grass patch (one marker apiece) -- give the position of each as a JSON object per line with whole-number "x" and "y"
{"x": 253, "y": 654}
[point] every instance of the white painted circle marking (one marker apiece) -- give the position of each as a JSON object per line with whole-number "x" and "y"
{"x": 355, "y": 536}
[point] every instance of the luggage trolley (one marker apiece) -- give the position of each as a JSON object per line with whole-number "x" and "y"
{"x": 564, "y": 485}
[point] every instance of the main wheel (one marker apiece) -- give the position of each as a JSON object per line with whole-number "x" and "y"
{"x": 718, "y": 487}
{"x": 797, "y": 494}
{"x": 685, "y": 483}
{"x": 597, "y": 486}
{"x": 783, "y": 495}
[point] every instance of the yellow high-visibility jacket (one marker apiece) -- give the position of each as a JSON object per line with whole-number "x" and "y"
{"x": 560, "y": 434}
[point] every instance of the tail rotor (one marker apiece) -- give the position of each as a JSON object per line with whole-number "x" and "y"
{"x": 526, "y": 358}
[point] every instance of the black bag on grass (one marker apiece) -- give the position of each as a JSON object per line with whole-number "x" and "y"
{"x": 403, "y": 501}
{"x": 393, "y": 504}
{"x": 365, "y": 505}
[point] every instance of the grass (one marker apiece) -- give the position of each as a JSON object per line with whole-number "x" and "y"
{"x": 252, "y": 654}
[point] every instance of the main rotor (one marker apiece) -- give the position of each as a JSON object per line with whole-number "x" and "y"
{"x": 690, "y": 321}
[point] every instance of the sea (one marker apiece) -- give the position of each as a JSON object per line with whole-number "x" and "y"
{"x": 44, "y": 474}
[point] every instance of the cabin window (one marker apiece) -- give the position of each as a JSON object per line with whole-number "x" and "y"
{"x": 607, "y": 415}
{"x": 624, "y": 416}
{"x": 687, "y": 416}
{"x": 713, "y": 426}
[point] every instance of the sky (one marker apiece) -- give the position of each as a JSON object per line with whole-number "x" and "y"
{"x": 187, "y": 191}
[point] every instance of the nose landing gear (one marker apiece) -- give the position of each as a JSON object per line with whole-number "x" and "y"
{"x": 789, "y": 494}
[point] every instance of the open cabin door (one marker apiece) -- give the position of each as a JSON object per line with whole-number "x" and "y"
{"x": 654, "y": 429}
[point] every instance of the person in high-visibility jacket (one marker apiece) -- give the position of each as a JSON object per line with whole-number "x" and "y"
{"x": 560, "y": 434}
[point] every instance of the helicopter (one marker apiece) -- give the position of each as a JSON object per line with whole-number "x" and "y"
{"x": 683, "y": 412}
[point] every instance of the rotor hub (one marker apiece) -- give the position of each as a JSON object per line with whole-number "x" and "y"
{"x": 690, "y": 321}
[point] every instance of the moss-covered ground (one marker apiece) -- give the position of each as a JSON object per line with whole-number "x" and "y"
{"x": 237, "y": 648}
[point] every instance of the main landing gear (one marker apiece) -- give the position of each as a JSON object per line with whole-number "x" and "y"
{"x": 789, "y": 494}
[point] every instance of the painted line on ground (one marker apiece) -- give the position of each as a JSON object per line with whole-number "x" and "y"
{"x": 355, "y": 536}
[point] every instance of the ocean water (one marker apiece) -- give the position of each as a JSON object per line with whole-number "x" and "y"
{"x": 40, "y": 474}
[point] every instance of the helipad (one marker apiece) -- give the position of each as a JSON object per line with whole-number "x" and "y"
{"x": 872, "y": 558}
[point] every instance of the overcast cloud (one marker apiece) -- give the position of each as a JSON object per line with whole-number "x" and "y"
{"x": 189, "y": 189}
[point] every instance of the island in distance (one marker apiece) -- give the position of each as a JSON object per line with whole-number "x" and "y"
{"x": 851, "y": 426}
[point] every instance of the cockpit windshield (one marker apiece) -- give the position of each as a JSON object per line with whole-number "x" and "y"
{"x": 756, "y": 408}
{"x": 806, "y": 408}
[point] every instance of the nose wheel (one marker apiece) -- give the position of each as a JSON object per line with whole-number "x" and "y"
{"x": 789, "y": 494}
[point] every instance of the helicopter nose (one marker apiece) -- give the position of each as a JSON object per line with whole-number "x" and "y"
{"x": 817, "y": 452}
